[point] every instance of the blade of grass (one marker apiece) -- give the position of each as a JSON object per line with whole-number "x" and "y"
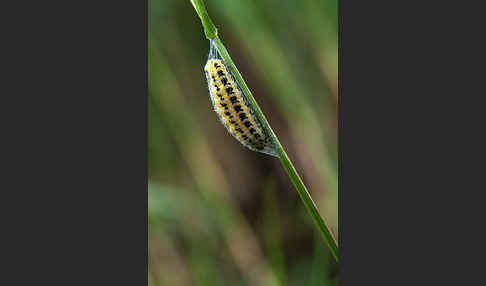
{"x": 211, "y": 33}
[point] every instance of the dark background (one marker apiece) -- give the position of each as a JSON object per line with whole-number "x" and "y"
{"x": 220, "y": 214}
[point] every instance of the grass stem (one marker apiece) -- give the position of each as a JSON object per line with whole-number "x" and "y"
{"x": 211, "y": 33}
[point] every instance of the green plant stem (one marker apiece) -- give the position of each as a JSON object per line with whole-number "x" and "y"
{"x": 209, "y": 29}
{"x": 211, "y": 33}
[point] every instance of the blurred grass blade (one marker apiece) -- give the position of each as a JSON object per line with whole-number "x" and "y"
{"x": 211, "y": 33}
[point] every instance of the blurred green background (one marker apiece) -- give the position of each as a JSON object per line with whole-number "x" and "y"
{"x": 220, "y": 214}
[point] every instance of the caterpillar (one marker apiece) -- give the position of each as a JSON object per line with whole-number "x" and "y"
{"x": 232, "y": 107}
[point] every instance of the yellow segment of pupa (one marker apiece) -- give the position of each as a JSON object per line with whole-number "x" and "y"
{"x": 233, "y": 109}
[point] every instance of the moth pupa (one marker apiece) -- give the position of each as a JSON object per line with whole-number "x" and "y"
{"x": 231, "y": 105}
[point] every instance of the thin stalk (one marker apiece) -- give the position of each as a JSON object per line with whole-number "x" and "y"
{"x": 212, "y": 34}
